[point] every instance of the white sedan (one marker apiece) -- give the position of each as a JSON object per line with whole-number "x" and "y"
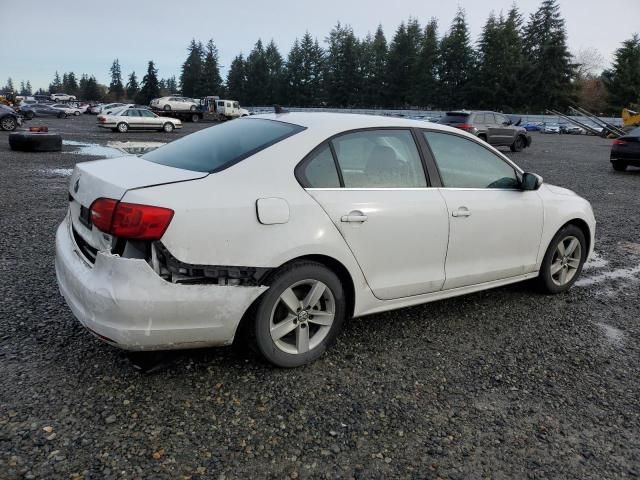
{"x": 174, "y": 103}
{"x": 67, "y": 109}
{"x": 281, "y": 227}
{"x": 125, "y": 118}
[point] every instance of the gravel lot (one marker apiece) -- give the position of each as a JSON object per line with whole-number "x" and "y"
{"x": 500, "y": 384}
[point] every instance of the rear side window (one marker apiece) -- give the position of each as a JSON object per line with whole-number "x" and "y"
{"x": 219, "y": 147}
{"x": 319, "y": 170}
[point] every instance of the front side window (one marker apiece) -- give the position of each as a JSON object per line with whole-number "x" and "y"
{"x": 319, "y": 170}
{"x": 221, "y": 146}
{"x": 464, "y": 163}
{"x": 379, "y": 159}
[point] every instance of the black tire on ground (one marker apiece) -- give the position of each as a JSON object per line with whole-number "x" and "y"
{"x": 8, "y": 123}
{"x": 122, "y": 127}
{"x": 259, "y": 332}
{"x": 35, "y": 142}
{"x": 545, "y": 281}
{"x": 518, "y": 144}
{"x": 195, "y": 118}
{"x": 193, "y": 108}
{"x": 619, "y": 166}
{"x": 167, "y": 108}
{"x": 168, "y": 127}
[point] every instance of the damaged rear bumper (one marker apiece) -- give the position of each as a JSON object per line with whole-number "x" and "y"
{"x": 123, "y": 301}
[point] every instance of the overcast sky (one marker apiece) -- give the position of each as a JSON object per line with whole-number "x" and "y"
{"x": 40, "y": 37}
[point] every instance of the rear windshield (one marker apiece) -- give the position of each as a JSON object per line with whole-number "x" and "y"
{"x": 452, "y": 117}
{"x": 219, "y": 147}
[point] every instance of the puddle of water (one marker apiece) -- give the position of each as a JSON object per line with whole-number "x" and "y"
{"x": 56, "y": 172}
{"x": 614, "y": 335}
{"x": 621, "y": 273}
{"x": 112, "y": 149}
{"x": 596, "y": 261}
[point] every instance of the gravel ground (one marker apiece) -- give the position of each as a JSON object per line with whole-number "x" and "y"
{"x": 506, "y": 383}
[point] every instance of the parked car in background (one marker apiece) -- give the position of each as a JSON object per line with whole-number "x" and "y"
{"x": 68, "y": 109}
{"x": 125, "y": 119}
{"x": 61, "y": 97}
{"x": 532, "y": 126}
{"x": 175, "y": 103}
{"x": 550, "y": 128}
{"x": 172, "y": 249}
{"x": 574, "y": 130}
{"x": 494, "y": 128}
{"x": 9, "y": 119}
{"x": 106, "y": 107}
{"x": 625, "y": 151}
{"x": 41, "y": 110}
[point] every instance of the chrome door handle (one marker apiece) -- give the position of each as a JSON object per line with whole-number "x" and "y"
{"x": 354, "y": 217}
{"x": 461, "y": 212}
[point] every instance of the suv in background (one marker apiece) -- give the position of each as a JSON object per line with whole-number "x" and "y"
{"x": 492, "y": 127}
{"x": 62, "y": 97}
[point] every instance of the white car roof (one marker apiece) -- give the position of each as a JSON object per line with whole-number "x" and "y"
{"x": 333, "y": 123}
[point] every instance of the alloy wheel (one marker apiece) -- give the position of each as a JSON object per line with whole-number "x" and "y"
{"x": 302, "y": 316}
{"x": 566, "y": 260}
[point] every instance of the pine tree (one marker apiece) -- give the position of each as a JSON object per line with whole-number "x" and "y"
{"x": 402, "y": 66}
{"x": 116, "y": 89}
{"x": 172, "y": 84}
{"x": 192, "y": 71}
{"x": 623, "y": 79}
{"x": 257, "y": 72}
{"x": 549, "y": 71}
{"x": 456, "y": 63}
{"x": 237, "y": 80}
{"x": 28, "y": 88}
{"x": 69, "y": 83}
{"x": 427, "y": 67}
{"x": 149, "y": 88}
{"x": 56, "y": 85}
{"x": 294, "y": 77}
{"x": 343, "y": 82}
{"x": 23, "y": 88}
{"x": 132, "y": 86}
{"x": 9, "y": 86}
{"x": 275, "y": 72}
{"x": 91, "y": 90}
{"x": 376, "y": 85}
{"x": 211, "y": 80}
{"x": 311, "y": 71}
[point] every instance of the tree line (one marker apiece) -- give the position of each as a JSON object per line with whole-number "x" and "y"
{"x": 515, "y": 65}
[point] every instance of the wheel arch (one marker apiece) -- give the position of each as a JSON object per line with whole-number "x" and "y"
{"x": 584, "y": 227}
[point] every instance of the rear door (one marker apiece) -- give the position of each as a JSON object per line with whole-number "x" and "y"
{"x": 372, "y": 184}
{"x": 495, "y": 227}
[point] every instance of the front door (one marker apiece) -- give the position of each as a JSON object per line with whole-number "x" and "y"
{"x": 495, "y": 227}
{"x": 379, "y": 199}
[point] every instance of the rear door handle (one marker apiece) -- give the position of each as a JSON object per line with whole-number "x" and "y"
{"x": 461, "y": 212}
{"x": 354, "y": 217}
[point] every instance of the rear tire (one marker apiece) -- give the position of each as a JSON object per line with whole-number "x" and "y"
{"x": 195, "y": 118}
{"x": 193, "y": 108}
{"x": 167, "y": 108}
{"x": 518, "y": 144}
{"x": 619, "y": 166}
{"x": 562, "y": 265}
{"x": 168, "y": 127}
{"x": 76, "y": 113}
{"x": 122, "y": 127}
{"x": 299, "y": 316}
{"x": 8, "y": 124}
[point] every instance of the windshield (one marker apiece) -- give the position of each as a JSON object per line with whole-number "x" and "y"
{"x": 219, "y": 147}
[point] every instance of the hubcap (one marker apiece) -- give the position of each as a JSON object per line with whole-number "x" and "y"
{"x": 302, "y": 316}
{"x": 566, "y": 260}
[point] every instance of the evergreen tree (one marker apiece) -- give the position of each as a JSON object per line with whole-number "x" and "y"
{"x": 257, "y": 72}
{"x": 69, "y": 83}
{"x": 23, "y": 88}
{"x": 275, "y": 71}
{"x": 149, "y": 88}
{"x": 623, "y": 79}
{"x": 211, "y": 79}
{"x": 65, "y": 82}
{"x": 91, "y": 90}
{"x": 343, "y": 82}
{"x": 56, "y": 85}
{"x": 312, "y": 69}
{"x": 457, "y": 59}
{"x": 116, "y": 89}
{"x": 402, "y": 64}
{"x": 294, "y": 77}
{"x": 375, "y": 83}
{"x": 132, "y": 86}
{"x": 549, "y": 71}
{"x": 427, "y": 67}
{"x": 172, "y": 84}
{"x": 237, "y": 80}
{"x": 9, "y": 86}
{"x": 28, "y": 88}
{"x": 192, "y": 71}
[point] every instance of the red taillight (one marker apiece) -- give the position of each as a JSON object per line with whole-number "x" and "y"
{"x": 130, "y": 220}
{"x": 617, "y": 141}
{"x": 464, "y": 126}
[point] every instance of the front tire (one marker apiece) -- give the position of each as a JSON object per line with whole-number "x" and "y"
{"x": 300, "y": 315}
{"x": 76, "y": 113}
{"x": 8, "y": 124}
{"x": 619, "y": 166}
{"x": 168, "y": 127}
{"x": 193, "y": 108}
{"x": 563, "y": 261}
{"x": 518, "y": 144}
{"x": 167, "y": 108}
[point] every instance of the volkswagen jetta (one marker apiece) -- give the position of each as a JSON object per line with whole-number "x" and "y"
{"x": 281, "y": 226}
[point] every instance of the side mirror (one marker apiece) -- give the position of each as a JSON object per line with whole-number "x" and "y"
{"x": 506, "y": 123}
{"x": 530, "y": 181}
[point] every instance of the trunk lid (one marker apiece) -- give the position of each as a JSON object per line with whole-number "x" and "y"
{"x": 112, "y": 178}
